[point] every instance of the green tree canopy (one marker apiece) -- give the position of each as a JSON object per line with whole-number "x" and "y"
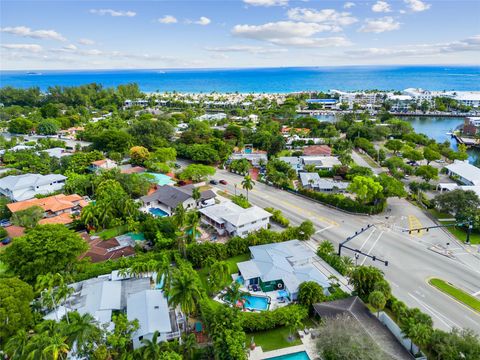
{"x": 15, "y": 313}
{"x": 44, "y": 249}
{"x": 366, "y": 189}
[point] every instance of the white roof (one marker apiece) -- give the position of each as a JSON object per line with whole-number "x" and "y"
{"x": 234, "y": 214}
{"x": 151, "y": 310}
{"x": 17, "y": 182}
{"x": 289, "y": 261}
{"x": 466, "y": 171}
{"x": 321, "y": 183}
{"x": 453, "y": 186}
{"x": 56, "y": 152}
{"x": 321, "y": 161}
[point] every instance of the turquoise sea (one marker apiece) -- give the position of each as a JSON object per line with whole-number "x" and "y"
{"x": 279, "y": 80}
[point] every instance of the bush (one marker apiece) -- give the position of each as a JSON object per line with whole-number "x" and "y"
{"x": 345, "y": 203}
{"x": 241, "y": 201}
{"x": 3, "y": 233}
{"x": 278, "y": 217}
{"x": 267, "y": 320}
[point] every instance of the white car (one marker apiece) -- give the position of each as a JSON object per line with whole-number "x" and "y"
{"x": 208, "y": 202}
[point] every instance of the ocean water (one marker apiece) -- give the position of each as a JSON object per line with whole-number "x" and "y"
{"x": 277, "y": 80}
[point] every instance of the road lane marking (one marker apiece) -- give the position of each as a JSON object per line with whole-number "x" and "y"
{"x": 325, "y": 228}
{"x": 375, "y": 243}
{"x": 442, "y": 318}
{"x": 368, "y": 238}
{"x": 476, "y": 293}
{"x": 414, "y": 223}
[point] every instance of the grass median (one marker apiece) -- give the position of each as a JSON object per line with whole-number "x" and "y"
{"x": 458, "y": 294}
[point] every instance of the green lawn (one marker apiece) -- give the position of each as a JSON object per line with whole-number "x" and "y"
{"x": 110, "y": 233}
{"x": 3, "y": 267}
{"x": 272, "y": 339}
{"x": 461, "y": 235}
{"x": 456, "y": 293}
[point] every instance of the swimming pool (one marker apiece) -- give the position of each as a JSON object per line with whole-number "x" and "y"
{"x": 256, "y": 302}
{"x": 302, "y": 355}
{"x": 157, "y": 212}
{"x": 162, "y": 179}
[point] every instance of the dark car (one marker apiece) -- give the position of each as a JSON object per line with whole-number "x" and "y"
{"x": 214, "y": 182}
{"x": 177, "y": 166}
{"x": 223, "y": 182}
{"x": 6, "y": 241}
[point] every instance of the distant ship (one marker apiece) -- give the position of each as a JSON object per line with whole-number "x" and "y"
{"x": 33, "y": 73}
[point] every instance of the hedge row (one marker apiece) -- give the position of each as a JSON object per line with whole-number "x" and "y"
{"x": 342, "y": 202}
{"x": 278, "y": 217}
{"x": 267, "y": 320}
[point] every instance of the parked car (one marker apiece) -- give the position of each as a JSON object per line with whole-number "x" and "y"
{"x": 214, "y": 182}
{"x": 223, "y": 182}
{"x": 208, "y": 202}
{"x": 176, "y": 166}
{"x": 6, "y": 241}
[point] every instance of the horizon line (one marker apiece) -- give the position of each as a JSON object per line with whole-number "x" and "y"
{"x": 242, "y": 67}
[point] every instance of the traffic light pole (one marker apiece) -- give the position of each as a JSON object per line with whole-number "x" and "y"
{"x": 426, "y": 228}
{"x": 357, "y": 251}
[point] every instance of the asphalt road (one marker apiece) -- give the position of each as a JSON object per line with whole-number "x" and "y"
{"x": 411, "y": 258}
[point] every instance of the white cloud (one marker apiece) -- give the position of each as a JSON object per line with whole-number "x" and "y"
{"x": 266, "y": 3}
{"x": 417, "y": 5}
{"x": 86, "y": 41}
{"x": 381, "y": 6}
{"x": 420, "y": 50}
{"x": 326, "y": 16}
{"x": 203, "y": 21}
{"x": 246, "y": 48}
{"x": 348, "y": 5}
{"x": 25, "y": 31}
{"x": 70, "y": 47}
{"x": 377, "y": 26}
{"x": 290, "y": 33}
{"x": 168, "y": 19}
{"x": 114, "y": 13}
{"x": 35, "y": 48}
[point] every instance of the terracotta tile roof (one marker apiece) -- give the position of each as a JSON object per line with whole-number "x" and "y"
{"x": 64, "y": 219}
{"x": 15, "y": 231}
{"x": 133, "y": 170}
{"x": 313, "y": 150}
{"x": 52, "y": 203}
{"x": 99, "y": 162}
{"x": 102, "y": 250}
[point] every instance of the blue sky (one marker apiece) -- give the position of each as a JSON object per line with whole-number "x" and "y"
{"x": 236, "y": 33}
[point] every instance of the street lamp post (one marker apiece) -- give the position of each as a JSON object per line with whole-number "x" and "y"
{"x": 235, "y": 189}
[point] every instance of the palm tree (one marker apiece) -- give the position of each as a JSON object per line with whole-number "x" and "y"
{"x": 185, "y": 292}
{"x": 151, "y": 350}
{"x": 179, "y": 216}
{"x": 192, "y": 225}
{"x": 218, "y": 274}
{"x": 248, "y": 183}
{"x": 164, "y": 273}
{"x": 196, "y": 195}
{"x": 325, "y": 248}
{"x": 57, "y": 348}
{"x": 16, "y": 346}
{"x": 83, "y": 333}
{"x": 189, "y": 343}
{"x": 233, "y": 294}
{"x": 88, "y": 217}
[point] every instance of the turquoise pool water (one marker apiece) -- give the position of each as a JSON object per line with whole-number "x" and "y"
{"x": 256, "y": 302}
{"x": 302, "y": 355}
{"x": 157, "y": 212}
{"x": 136, "y": 236}
{"x": 162, "y": 179}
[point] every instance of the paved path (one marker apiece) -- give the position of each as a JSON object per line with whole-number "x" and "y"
{"x": 411, "y": 261}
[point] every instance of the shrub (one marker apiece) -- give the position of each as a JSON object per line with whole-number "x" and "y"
{"x": 267, "y": 320}
{"x": 241, "y": 201}
{"x": 278, "y": 217}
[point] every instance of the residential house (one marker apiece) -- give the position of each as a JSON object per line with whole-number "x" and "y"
{"x": 464, "y": 172}
{"x": 59, "y": 209}
{"x": 102, "y": 250}
{"x": 298, "y": 163}
{"x": 115, "y": 292}
{"x": 255, "y": 158}
{"x": 314, "y": 182}
{"x": 353, "y": 307}
{"x": 471, "y": 126}
{"x": 131, "y": 169}
{"x": 325, "y": 103}
{"x": 104, "y": 164}
{"x": 317, "y": 150}
{"x": 70, "y": 133}
{"x": 231, "y": 219}
{"x": 57, "y": 152}
{"x": 150, "y": 308}
{"x": 27, "y": 186}
{"x": 167, "y": 198}
{"x": 283, "y": 266}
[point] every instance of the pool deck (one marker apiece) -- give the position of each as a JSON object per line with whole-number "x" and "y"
{"x": 259, "y": 354}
